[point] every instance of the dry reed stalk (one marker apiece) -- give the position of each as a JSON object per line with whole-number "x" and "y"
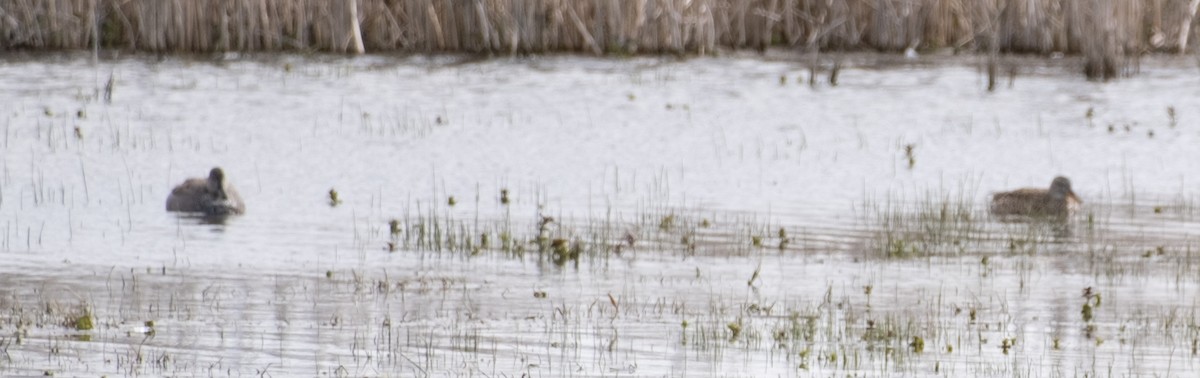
{"x": 992, "y": 71}
{"x": 487, "y": 35}
{"x": 1103, "y": 53}
{"x": 887, "y": 27}
{"x": 1185, "y": 26}
{"x": 766, "y": 34}
{"x": 708, "y": 26}
{"x": 355, "y": 31}
{"x": 436, "y": 25}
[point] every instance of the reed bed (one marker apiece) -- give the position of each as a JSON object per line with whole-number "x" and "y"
{"x": 599, "y": 26}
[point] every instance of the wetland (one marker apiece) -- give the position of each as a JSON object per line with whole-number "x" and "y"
{"x": 575, "y": 216}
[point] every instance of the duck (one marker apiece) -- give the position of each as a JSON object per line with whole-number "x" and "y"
{"x": 212, "y": 196}
{"x": 1057, "y": 201}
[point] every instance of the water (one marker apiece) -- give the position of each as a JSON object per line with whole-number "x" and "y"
{"x": 662, "y": 173}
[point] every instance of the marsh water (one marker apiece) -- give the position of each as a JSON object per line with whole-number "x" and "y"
{"x": 574, "y": 216}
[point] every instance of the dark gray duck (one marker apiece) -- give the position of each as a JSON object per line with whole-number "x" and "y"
{"x": 211, "y": 196}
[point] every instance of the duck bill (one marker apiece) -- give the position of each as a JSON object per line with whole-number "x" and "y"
{"x": 1071, "y": 196}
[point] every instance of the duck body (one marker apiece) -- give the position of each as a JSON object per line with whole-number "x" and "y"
{"x": 1058, "y": 201}
{"x": 211, "y": 196}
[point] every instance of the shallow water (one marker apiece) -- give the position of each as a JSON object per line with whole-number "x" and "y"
{"x": 691, "y": 167}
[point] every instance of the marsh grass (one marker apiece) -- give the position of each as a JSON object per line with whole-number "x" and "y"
{"x": 524, "y": 230}
{"x": 932, "y": 225}
{"x": 427, "y": 321}
{"x": 844, "y": 332}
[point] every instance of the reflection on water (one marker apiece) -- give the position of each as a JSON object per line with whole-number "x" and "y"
{"x": 707, "y": 216}
{"x": 209, "y": 219}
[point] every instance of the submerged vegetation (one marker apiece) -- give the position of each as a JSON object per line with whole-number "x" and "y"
{"x": 443, "y": 320}
{"x": 1106, "y": 33}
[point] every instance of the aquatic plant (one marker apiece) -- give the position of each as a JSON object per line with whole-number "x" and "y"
{"x": 991, "y": 72}
{"x": 934, "y": 224}
{"x": 917, "y": 344}
{"x": 908, "y": 154}
{"x": 753, "y": 277}
{"x": 735, "y": 329}
{"x": 84, "y": 322}
{"x": 334, "y": 200}
{"x": 667, "y": 223}
{"x": 835, "y": 72}
{"x": 109, "y": 86}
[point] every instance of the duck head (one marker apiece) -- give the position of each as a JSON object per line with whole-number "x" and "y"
{"x": 219, "y": 203}
{"x": 216, "y": 184}
{"x": 1060, "y": 189}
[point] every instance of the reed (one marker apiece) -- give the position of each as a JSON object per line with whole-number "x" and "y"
{"x": 1101, "y": 30}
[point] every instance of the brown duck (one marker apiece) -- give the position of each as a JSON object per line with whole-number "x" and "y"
{"x": 211, "y": 196}
{"x": 1058, "y": 201}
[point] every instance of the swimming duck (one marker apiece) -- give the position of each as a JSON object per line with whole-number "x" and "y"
{"x": 211, "y": 196}
{"x": 1058, "y": 201}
